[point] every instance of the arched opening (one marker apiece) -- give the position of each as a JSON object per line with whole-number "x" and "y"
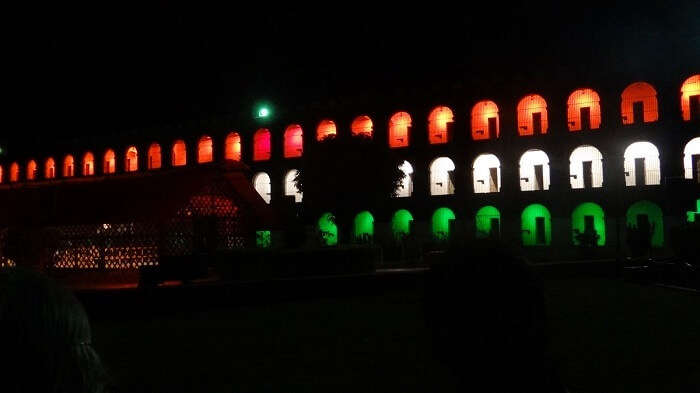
{"x": 691, "y": 160}
{"x": 442, "y": 223}
{"x": 485, "y": 121}
{"x": 327, "y": 230}
{"x": 534, "y": 171}
{"x": 364, "y": 227}
{"x": 488, "y": 223}
{"x": 440, "y": 125}
{"x": 400, "y": 130}
{"x": 232, "y": 147}
{"x": 532, "y": 115}
{"x": 14, "y": 172}
{"x": 583, "y": 111}
{"x": 642, "y": 165}
{"x": 290, "y": 186}
{"x": 205, "y": 150}
{"x": 32, "y": 172}
{"x": 442, "y": 176}
{"x": 587, "y": 223}
{"x": 293, "y": 141}
{"x": 2, "y": 174}
{"x": 536, "y": 225}
{"x": 586, "y": 167}
{"x": 68, "y": 166}
{"x": 88, "y": 164}
{"x": 179, "y": 153}
{"x": 131, "y": 159}
{"x": 362, "y": 125}
{"x": 692, "y": 216}
{"x": 690, "y": 98}
{"x": 639, "y": 104}
{"x": 646, "y": 219}
{"x": 261, "y": 145}
{"x": 487, "y": 174}
{"x": 49, "y": 168}
{"x": 154, "y": 156}
{"x": 261, "y": 183}
{"x": 109, "y": 164}
{"x": 405, "y": 189}
{"x": 401, "y": 224}
{"x": 326, "y": 128}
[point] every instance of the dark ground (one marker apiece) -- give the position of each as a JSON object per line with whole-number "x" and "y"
{"x": 607, "y": 336}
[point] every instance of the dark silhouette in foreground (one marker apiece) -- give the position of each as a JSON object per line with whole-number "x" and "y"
{"x": 45, "y": 338}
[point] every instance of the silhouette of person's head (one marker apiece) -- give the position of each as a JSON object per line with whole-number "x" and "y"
{"x": 45, "y": 338}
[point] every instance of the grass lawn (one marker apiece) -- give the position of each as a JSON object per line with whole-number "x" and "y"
{"x": 607, "y": 336}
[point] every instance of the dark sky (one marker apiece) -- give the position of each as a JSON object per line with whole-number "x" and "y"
{"x": 99, "y": 71}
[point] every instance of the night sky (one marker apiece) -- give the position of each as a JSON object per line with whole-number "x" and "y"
{"x": 77, "y": 72}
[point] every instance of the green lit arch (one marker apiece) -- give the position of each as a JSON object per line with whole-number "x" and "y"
{"x": 364, "y": 225}
{"x": 691, "y": 215}
{"x": 578, "y": 221}
{"x": 328, "y": 229}
{"x": 401, "y": 224}
{"x": 528, "y": 225}
{"x": 656, "y": 217}
{"x": 483, "y": 221}
{"x": 441, "y": 223}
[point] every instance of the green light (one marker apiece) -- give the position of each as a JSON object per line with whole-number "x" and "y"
{"x": 328, "y": 230}
{"x": 485, "y": 217}
{"x": 578, "y": 221}
{"x": 263, "y": 112}
{"x": 263, "y": 239}
{"x": 364, "y": 225}
{"x": 401, "y": 224}
{"x": 656, "y": 218}
{"x": 529, "y": 226}
{"x": 691, "y": 215}
{"x": 441, "y": 223}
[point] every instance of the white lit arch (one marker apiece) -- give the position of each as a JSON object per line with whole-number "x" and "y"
{"x": 691, "y": 153}
{"x": 440, "y": 176}
{"x": 534, "y": 171}
{"x": 261, "y": 182}
{"x": 581, "y": 159}
{"x": 487, "y": 174}
{"x": 290, "y": 187}
{"x": 642, "y": 157}
{"x": 405, "y": 189}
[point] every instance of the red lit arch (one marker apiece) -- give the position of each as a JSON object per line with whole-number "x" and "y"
{"x": 109, "y": 163}
{"x": 131, "y": 159}
{"x": 261, "y": 145}
{"x": 440, "y": 122}
{"x": 639, "y": 104}
{"x": 2, "y": 174}
{"x": 68, "y": 166}
{"x": 690, "y": 98}
{"x": 325, "y": 129}
{"x": 233, "y": 147}
{"x": 14, "y": 172}
{"x": 88, "y": 164}
{"x": 179, "y": 153}
{"x": 154, "y": 156}
{"x": 49, "y": 168}
{"x": 293, "y": 141}
{"x": 32, "y": 171}
{"x": 205, "y": 150}
{"x": 583, "y": 110}
{"x": 400, "y": 129}
{"x": 532, "y": 115}
{"x": 362, "y": 125}
{"x": 485, "y": 121}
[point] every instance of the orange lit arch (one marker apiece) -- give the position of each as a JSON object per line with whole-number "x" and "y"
{"x": 131, "y": 159}
{"x": 68, "y": 166}
{"x": 583, "y": 110}
{"x": 233, "y": 147}
{"x": 400, "y": 126}
{"x": 532, "y": 115}
{"x": 261, "y": 145}
{"x": 690, "y": 98}
{"x": 293, "y": 141}
{"x": 50, "y": 168}
{"x": 485, "y": 121}
{"x": 109, "y": 163}
{"x": 2, "y": 174}
{"x": 325, "y": 129}
{"x": 440, "y": 122}
{"x": 362, "y": 125}
{"x": 31, "y": 170}
{"x": 154, "y": 156}
{"x": 639, "y": 97}
{"x": 14, "y": 172}
{"x": 88, "y": 164}
{"x": 205, "y": 150}
{"x": 179, "y": 153}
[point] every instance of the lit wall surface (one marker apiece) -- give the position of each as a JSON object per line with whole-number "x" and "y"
{"x": 399, "y": 129}
{"x": 109, "y": 163}
{"x": 439, "y": 120}
{"x": 68, "y": 166}
{"x": 50, "y": 168}
{"x": 481, "y": 113}
{"x": 656, "y": 218}
{"x": 583, "y": 98}
{"x": 691, "y": 148}
{"x": 639, "y": 92}
{"x": 328, "y": 229}
{"x": 362, "y": 125}
{"x": 401, "y": 224}
{"x": 528, "y": 108}
{"x": 325, "y": 129}
{"x": 290, "y": 187}
{"x": 531, "y": 178}
{"x": 484, "y": 217}
{"x": 88, "y": 164}
{"x": 578, "y": 219}
{"x": 261, "y": 145}
{"x": 261, "y": 183}
{"x": 577, "y": 158}
{"x": 179, "y": 153}
{"x": 441, "y": 223}
{"x": 293, "y": 141}
{"x": 364, "y": 225}
{"x": 483, "y": 176}
{"x": 440, "y": 182}
{"x": 652, "y": 170}
{"x": 131, "y": 162}
{"x": 205, "y": 150}
{"x": 31, "y": 170}
{"x": 405, "y": 189}
{"x": 690, "y": 88}
{"x": 154, "y": 156}
{"x": 232, "y": 147}
{"x": 528, "y": 225}
{"x": 14, "y": 172}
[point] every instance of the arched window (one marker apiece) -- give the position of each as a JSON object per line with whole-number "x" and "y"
{"x": 532, "y": 115}
{"x": 32, "y": 171}
{"x": 534, "y": 171}
{"x": 364, "y": 227}
{"x": 487, "y": 174}
{"x": 49, "y": 168}
{"x": 88, "y": 164}
{"x": 690, "y": 98}
{"x": 293, "y": 141}
{"x": 405, "y": 189}
{"x": 588, "y": 222}
{"x": 586, "y": 167}
{"x": 400, "y": 129}
{"x": 639, "y": 104}
{"x": 362, "y": 125}
{"x": 261, "y": 145}
{"x": 109, "y": 164}
{"x": 536, "y": 226}
{"x": 261, "y": 183}
{"x": 205, "y": 150}
{"x": 290, "y": 186}
{"x": 648, "y": 219}
{"x": 14, "y": 172}
{"x": 485, "y": 121}
{"x": 233, "y": 147}
{"x": 326, "y": 128}
{"x": 488, "y": 223}
{"x": 642, "y": 165}
{"x": 327, "y": 229}
{"x": 441, "y": 226}
{"x": 441, "y": 176}
{"x": 131, "y": 159}
{"x": 179, "y": 153}
{"x": 154, "y": 156}
{"x": 2, "y": 174}
{"x": 401, "y": 224}
{"x": 691, "y": 160}
{"x": 68, "y": 166}
{"x": 583, "y": 111}
{"x": 440, "y": 125}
